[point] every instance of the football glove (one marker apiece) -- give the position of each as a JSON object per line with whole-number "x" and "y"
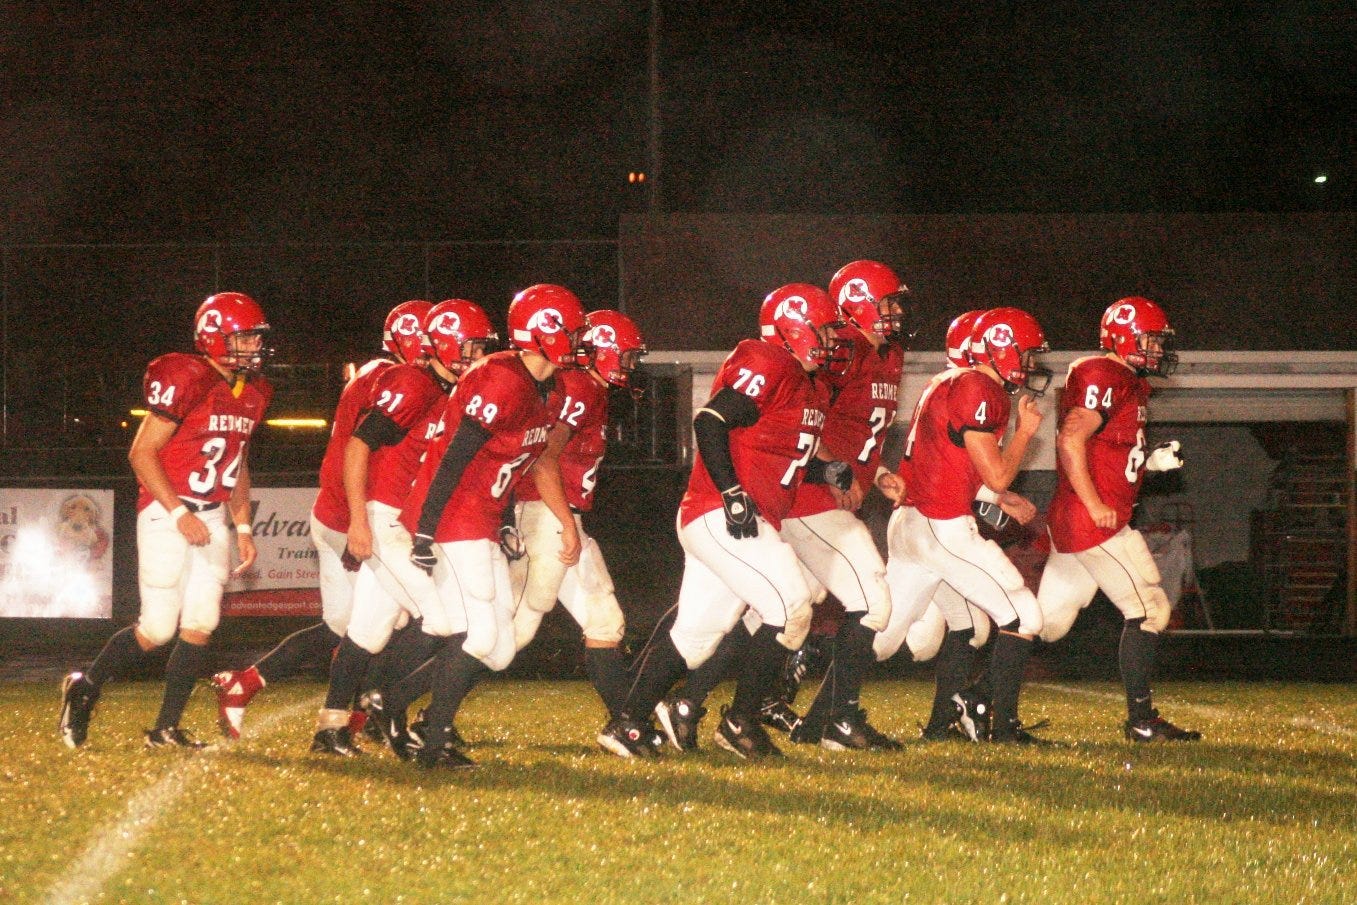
{"x": 741, "y": 513}
{"x": 422, "y": 555}
{"x": 991, "y": 513}
{"x": 350, "y": 562}
{"x": 1165, "y": 457}
{"x": 840, "y": 475}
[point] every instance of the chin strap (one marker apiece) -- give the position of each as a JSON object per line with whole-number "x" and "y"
{"x": 239, "y": 386}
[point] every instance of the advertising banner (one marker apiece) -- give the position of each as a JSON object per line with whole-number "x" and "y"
{"x": 284, "y": 580}
{"x": 56, "y": 553}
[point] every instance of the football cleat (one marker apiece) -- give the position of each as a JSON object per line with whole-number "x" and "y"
{"x": 392, "y": 726}
{"x": 78, "y": 697}
{"x": 338, "y": 742}
{"x": 1015, "y": 733}
{"x": 948, "y": 733}
{"x": 744, "y": 736}
{"x": 235, "y": 688}
{"x": 1158, "y": 728}
{"x": 854, "y": 733}
{"x": 680, "y": 718}
{"x": 803, "y": 734}
{"x": 370, "y": 729}
{"x": 445, "y": 758}
{"x": 973, "y": 714}
{"x": 173, "y": 737}
{"x": 779, "y": 715}
{"x": 420, "y": 726}
{"x": 626, "y": 737}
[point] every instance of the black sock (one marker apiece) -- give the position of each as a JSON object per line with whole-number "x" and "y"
{"x": 758, "y": 673}
{"x": 661, "y": 665}
{"x": 119, "y": 653}
{"x": 702, "y": 681}
{"x": 346, "y": 675}
{"x": 1137, "y": 656}
{"x": 310, "y": 645}
{"x": 403, "y": 692}
{"x": 402, "y": 646}
{"x": 609, "y": 677}
{"x": 187, "y": 664}
{"x": 817, "y": 716}
{"x": 410, "y": 658}
{"x": 952, "y": 672}
{"x": 454, "y": 674}
{"x": 1007, "y": 665}
{"x": 854, "y": 656}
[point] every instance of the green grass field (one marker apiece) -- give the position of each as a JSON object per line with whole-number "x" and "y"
{"x": 1263, "y": 810}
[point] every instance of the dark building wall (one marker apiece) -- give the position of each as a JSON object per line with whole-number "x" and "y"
{"x": 1229, "y": 281}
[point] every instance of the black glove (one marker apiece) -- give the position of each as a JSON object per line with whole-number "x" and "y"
{"x": 741, "y": 513}
{"x": 840, "y": 475}
{"x": 350, "y": 562}
{"x": 992, "y": 514}
{"x": 422, "y": 555}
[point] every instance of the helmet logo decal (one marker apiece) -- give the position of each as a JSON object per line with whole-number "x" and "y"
{"x": 1000, "y": 336}
{"x": 447, "y": 323}
{"x": 793, "y": 307}
{"x": 548, "y": 320}
{"x": 1123, "y": 314}
{"x": 604, "y": 335}
{"x": 406, "y": 325}
{"x": 855, "y": 290}
{"x": 210, "y": 322}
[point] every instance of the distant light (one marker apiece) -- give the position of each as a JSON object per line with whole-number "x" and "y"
{"x": 350, "y": 369}
{"x": 139, "y": 413}
{"x": 306, "y": 423}
{"x": 123, "y": 423}
{"x": 636, "y": 177}
{"x": 1321, "y": 179}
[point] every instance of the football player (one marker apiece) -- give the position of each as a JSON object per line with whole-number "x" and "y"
{"x": 494, "y": 428}
{"x": 541, "y": 576}
{"x": 756, "y": 439}
{"x": 190, "y": 457}
{"x": 331, "y": 522}
{"x": 1100, "y": 462}
{"x": 951, "y": 452}
{"x": 380, "y": 463}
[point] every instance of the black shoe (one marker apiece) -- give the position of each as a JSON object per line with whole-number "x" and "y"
{"x": 626, "y": 737}
{"x": 803, "y": 734}
{"x": 680, "y": 718}
{"x": 78, "y": 697}
{"x": 744, "y": 736}
{"x": 420, "y": 728}
{"x": 172, "y": 737}
{"x": 779, "y": 715}
{"x": 445, "y": 758}
{"x": 799, "y": 664}
{"x": 1015, "y": 733}
{"x": 370, "y": 728}
{"x": 335, "y": 741}
{"x": 391, "y": 722}
{"x": 973, "y": 715}
{"x": 854, "y": 733}
{"x": 1156, "y": 727}
{"x": 948, "y": 733}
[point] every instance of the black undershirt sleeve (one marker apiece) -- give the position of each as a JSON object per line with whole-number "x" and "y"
{"x": 378, "y": 430}
{"x": 470, "y": 437}
{"x": 726, "y": 410}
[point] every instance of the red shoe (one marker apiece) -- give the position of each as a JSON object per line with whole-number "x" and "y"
{"x": 234, "y": 690}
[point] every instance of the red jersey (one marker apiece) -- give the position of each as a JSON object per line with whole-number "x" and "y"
{"x": 581, "y": 403}
{"x": 332, "y": 506}
{"x": 863, "y": 406}
{"x": 500, "y": 393}
{"x": 392, "y": 469}
{"x": 941, "y": 481}
{"x": 770, "y": 455}
{"x": 1116, "y": 452}
{"x": 203, "y": 456}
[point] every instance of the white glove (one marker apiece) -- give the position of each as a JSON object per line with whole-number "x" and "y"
{"x": 1165, "y": 457}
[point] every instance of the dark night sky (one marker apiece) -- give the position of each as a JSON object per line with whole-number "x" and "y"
{"x": 521, "y": 119}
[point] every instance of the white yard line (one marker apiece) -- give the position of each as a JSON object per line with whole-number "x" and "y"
{"x": 1205, "y": 710}
{"x": 110, "y": 848}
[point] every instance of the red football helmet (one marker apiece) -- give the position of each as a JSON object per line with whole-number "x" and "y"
{"x": 1009, "y": 340}
{"x": 229, "y": 329}
{"x": 959, "y": 339}
{"x": 457, "y": 332}
{"x": 801, "y": 318}
{"x": 548, "y": 319}
{"x": 1138, "y": 330}
{"x": 403, "y": 335}
{"x": 616, "y": 345}
{"x": 865, "y": 292}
